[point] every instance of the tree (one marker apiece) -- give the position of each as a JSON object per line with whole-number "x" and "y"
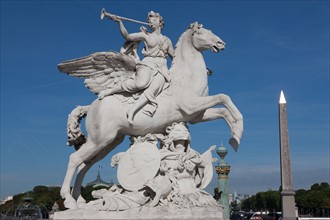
{"x": 249, "y": 203}
{"x": 315, "y": 186}
{"x": 315, "y": 200}
{"x": 40, "y": 189}
{"x": 261, "y": 201}
{"x": 273, "y": 200}
{"x": 324, "y": 186}
{"x": 45, "y": 200}
{"x": 300, "y": 198}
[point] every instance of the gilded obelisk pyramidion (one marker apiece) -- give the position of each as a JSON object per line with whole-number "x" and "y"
{"x": 287, "y": 193}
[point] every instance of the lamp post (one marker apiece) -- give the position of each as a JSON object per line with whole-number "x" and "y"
{"x": 223, "y": 170}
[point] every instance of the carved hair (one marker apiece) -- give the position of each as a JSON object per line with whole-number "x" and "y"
{"x": 154, "y": 14}
{"x": 195, "y": 26}
{"x": 171, "y": 127}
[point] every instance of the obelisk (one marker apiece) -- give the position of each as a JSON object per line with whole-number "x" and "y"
{"x": 287, "y": 193}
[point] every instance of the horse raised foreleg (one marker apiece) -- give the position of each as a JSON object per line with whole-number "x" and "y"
{"x": 194, "y": 105}
{"x": 220, "y": 113}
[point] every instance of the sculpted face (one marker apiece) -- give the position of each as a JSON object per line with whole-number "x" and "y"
{"x": 204, "y": 39}
{"x": 155, "y": 20}
{"x": 179, "y": 132}
{"x": 179, "y": 146}
{"x": 180, "y": 136}
{"x": 190, "y": 166}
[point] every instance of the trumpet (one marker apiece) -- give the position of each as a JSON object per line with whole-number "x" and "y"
{"x": 111, "y": 16}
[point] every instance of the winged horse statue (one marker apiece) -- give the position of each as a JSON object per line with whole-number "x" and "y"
{"x": 185, "y": 100}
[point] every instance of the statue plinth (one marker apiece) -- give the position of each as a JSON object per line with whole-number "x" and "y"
{"x": 154, "y": 213}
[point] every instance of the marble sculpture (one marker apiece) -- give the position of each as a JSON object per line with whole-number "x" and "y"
{"x": 152, "y": 104}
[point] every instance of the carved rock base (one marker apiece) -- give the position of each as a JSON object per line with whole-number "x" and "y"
{"x": 205, "y": 213}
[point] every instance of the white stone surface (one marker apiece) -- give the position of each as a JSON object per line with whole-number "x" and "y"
{"x": 147, "y": 101}
{"x": 173, "y": 176}
{"x": 138, "y": 165}
{"x": 156, "y": 213}
{"x": 282, "y": 98}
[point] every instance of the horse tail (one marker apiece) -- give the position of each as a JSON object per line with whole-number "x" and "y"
{"x": 75, "y": 136}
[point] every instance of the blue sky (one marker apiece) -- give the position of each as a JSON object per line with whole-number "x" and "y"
{"x": 270, "y": 46}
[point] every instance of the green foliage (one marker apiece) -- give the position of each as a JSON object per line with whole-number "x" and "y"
{"x": 324, "y": 185}
{"x": 44, "y": 196}
{"x": 315, "y": 186}
{"x": 261, "y": 201}
{"x": 7, "y": 207}
{"x": 317, "y": 197}
{"x": 273, "y": 200}
{"x": 10, "y": 206}
{"x": 269, "y": 200}
{"x": 45, "y": 200}
{"x": 40, "y": 190}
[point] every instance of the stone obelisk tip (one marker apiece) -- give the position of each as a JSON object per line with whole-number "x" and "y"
{"x": 282, "y": 98}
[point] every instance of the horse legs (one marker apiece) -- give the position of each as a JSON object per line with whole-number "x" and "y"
{"x": 84, "y": 154}
{"x": 76, "y": 192}
{"x": 216, "y": 113}
{"x": 199, "y": 104}
{"x": 76, "y": 159}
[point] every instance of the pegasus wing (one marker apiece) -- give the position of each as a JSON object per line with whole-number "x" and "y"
{"x": 101, "y": 70}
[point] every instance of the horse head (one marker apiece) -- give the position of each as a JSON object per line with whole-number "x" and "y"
{"x": 204, "y": 39}
{"x": 188, "y": 70}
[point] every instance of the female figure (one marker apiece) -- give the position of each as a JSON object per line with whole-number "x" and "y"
{"x": 152, "y": 72}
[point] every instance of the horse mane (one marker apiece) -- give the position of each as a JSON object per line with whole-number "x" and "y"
{"x": 178, "y": 54}
{"x": 177, "y": 51}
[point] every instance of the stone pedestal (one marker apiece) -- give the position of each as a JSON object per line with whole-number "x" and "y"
{"x": 147, "y": 213}
{"x": 288, "y": 207}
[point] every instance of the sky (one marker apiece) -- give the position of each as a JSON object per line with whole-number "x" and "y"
{"x": 270, "y": 46}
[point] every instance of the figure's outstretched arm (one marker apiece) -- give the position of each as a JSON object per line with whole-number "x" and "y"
{"x": 140, "y": 36}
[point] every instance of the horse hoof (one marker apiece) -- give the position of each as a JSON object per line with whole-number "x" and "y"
{"x": 70, "y": 204}
{"x": 234, "y": 142}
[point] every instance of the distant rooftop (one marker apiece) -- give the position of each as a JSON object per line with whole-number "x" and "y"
{"x": 99, "y": 182}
